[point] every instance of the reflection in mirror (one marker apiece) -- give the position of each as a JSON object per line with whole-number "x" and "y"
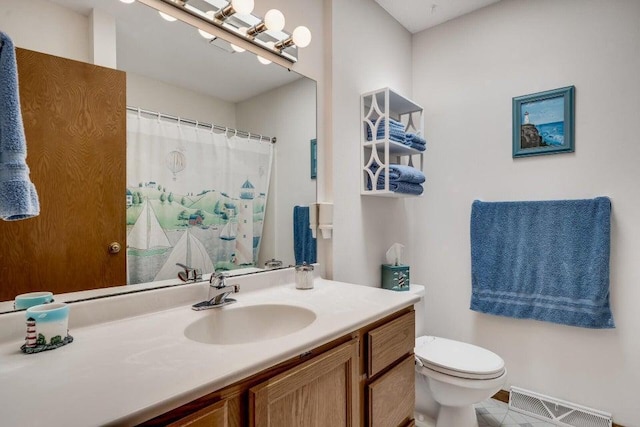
{"x": 173, "y": 70}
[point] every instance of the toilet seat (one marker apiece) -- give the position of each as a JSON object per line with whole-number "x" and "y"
{"x": 458, "y": 359}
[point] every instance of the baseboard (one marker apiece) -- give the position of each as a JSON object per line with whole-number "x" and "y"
{"x": 503, "y": 396}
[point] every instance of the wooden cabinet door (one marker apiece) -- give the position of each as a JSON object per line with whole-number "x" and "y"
{"x": 75, "y": 124}
{"x": 320, "y": 392}
{"x": 215, "y": 415}
{"x": 391, "y": 398}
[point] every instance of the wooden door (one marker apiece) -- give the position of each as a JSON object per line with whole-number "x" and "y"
{"x": 321, "y": 392}
{"x": 75, "y": 124}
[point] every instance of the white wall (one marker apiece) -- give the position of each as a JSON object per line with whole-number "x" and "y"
{"x": 36, "y": 24}
{"x": 150, "y": 94}
{"x": 370, "y": 50}
{"x": 289, "y": 114}
{"x": 465, "y": 73}
{"x": 315, "y": 62}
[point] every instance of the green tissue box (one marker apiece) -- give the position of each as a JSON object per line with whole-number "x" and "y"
{"x": 395, "y": 277}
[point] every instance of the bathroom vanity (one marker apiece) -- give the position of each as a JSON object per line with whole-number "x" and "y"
{"x": 351, "y": 365}
{"x": 362, "y": 378}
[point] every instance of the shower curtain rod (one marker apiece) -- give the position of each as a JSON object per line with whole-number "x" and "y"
{"x": 196, "y": 123}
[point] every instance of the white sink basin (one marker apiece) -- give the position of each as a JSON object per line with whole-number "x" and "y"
{"x": 238, "y": 325}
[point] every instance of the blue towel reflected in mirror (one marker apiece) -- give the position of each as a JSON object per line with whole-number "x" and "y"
{"x": 304, "y": 244}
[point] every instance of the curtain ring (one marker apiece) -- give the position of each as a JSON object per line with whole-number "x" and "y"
{"x": 139, "y": 113}
{"x": 248, "y": 136}
{"x": 235, "y": 132}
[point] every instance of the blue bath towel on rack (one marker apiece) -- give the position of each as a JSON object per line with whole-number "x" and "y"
{"x": 546, "y": 260}
{"x": 18, "y": 196}
{"x": 304, "y": 245}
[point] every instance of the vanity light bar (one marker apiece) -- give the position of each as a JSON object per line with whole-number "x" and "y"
{"x": 225, "y": 24}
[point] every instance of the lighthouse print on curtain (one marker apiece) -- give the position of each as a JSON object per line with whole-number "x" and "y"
{"x": 194, "y": 197}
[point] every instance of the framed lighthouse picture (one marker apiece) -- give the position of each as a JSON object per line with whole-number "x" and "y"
{"x": 543, "y": 123}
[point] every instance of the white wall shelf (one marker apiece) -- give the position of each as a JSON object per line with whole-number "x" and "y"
{"x": 376, "y": 107}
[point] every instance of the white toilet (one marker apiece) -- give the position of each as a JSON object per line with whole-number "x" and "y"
{"x": 451, "y": 376}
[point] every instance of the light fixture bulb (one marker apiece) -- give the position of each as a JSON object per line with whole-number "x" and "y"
{"x": 301, "y": 36}
{"x": 263, "y": 60}
{"x": 274, "y": 20}
{"x": 127, "y": 1}
{"x": 167, "y": 17}
{"x": 209, "y": 14}
{"x": 242, "y": 7}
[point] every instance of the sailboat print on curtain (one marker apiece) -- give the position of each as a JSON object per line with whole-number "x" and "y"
{"x": 194, "y": 197}
{"x": 147, "y": 232}
{"x": 188, "y": 251}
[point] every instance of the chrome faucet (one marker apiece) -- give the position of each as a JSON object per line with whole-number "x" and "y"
{"x": 189, "y": 274}
{"x": 219, "y": 293}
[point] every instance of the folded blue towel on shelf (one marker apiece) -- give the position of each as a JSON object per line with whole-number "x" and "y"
{"x": 397, "y": 137}
{"x": 415, "y": 146}
{"x": 400, "y": 187}
{"x": 18, "y": 196}
{"x": 381, "y": 130}
{"x": 402, "y": 173}
{"x": 413, "y": 138}
{"x": 392, "y": 123}
{"x": 545, "y": 260}
{"x": 396, "y": 131}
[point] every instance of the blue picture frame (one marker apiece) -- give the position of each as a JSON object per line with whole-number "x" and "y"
{"x": 543, "y": 123}
{"x": 314, "y": 158}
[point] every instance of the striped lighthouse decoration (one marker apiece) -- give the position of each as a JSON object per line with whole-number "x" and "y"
{"x": 401, "y": 279}
{"x": 31, "y": 332}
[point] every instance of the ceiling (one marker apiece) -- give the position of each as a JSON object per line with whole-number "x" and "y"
{"x": 418, "y": 15}
{"x": 174, "y": 53}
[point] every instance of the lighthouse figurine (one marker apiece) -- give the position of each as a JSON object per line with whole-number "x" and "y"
{"x": 31, "y": 332}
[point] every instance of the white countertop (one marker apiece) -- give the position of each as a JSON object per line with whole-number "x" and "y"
{"x": 127, "y": 371}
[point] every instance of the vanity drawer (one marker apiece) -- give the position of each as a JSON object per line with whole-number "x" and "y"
{"x": 391, "y": 398}
{"x": 390, "y": 342}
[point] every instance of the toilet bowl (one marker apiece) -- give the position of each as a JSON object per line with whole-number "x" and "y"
{"x": 451, "y": 376}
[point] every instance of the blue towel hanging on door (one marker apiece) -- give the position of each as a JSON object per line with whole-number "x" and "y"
{"x": 18, "y": 196}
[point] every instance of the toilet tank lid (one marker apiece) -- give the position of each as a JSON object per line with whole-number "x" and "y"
{"x": 458, "y": 356}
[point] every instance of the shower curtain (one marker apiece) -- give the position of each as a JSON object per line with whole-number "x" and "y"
{"x": 194, "y": 197}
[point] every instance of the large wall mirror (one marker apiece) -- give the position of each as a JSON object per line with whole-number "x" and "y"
{"x": 174, "y": 70}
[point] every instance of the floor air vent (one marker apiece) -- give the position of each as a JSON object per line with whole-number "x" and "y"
{"x": 556, "y": 411}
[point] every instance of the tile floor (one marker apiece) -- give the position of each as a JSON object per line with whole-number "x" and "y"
{"x": 493, "y": 413}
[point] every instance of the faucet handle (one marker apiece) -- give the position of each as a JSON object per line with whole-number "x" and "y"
{"x": 217, "y": 279}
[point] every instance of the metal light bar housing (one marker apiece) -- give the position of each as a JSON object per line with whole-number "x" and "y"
{"x": 228, "y": 29}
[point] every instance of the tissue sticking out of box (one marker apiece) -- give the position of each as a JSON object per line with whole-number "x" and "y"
{"x": 394, "y": 254}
